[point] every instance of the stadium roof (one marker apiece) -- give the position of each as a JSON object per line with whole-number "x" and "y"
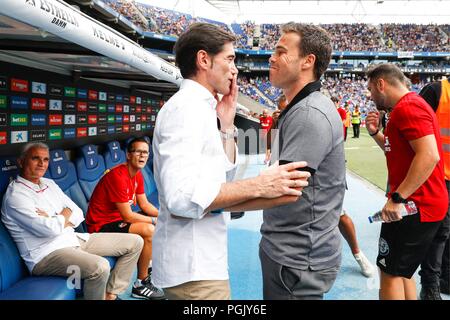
{"x": 318, "y": 11}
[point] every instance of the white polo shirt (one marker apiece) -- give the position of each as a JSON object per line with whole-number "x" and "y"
{"x": 190, "y": 165}
{"x": 37, "y": 236}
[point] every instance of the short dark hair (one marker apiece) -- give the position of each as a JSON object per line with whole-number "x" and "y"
{"x": 199, "y": 36}
{"x": 313, "y": 40}
{"x": 389, "y": 72}
{"x": 132, "y": 142}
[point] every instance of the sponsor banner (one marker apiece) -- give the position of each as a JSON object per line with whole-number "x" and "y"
{"x": 38, "y": 120}
{"x": 81, "y": 132}
{"x": 102, "y": 130}
{"x": 132, "y": 118}
{"x": 149, "y": 110}
{"x": 111, "y": 129}
{"x": 138, "y": 119}
{"x": 118, "y": 119}
{"x": 38, "y": 104}
{"x": 133, "y": 99}
{"x": 81, "y": 106}
{"x": 111, "y": 118}
{"x": 19, "y": 85}
{"x": 55, "y": 119}
{"x": 132, "y": 109}
{"x": 119, "y": 108}
{"x": 153, "y": 118}
{"x": 138, "y": 100}
{"x": 119, "y": 98}
{"x": 3, "y": 120}
{"x": 92, "y": 131}
{"x": 19, "y": 120}
{"x": 55, "y": 90}
{"x": 101, "y": 107}
{"x": 69, "y": 133}
{"x": 55, "y": 105}
{"x": 92, "y": 107}
{"x": 144, "y": 118}
{"x": 69, "y": 119}
{"x": 3, "y": 137}
{"x": 81, "y": 118}
{"x": 19, "y": 136}
{"x": 126, "y": 99}
{"x": 38, "y": 135}
{"x": 126, "y": 118}
{"x": 138, "y": 109}
{"x": 3, "y": 83}
{"x": 92, "y": 119}
{"x": 82, "y": 93}
{"x": 93, "y": 95}
{"x": 119, "y": 129}
{"x": 102, "y": 119}
{"x": 69, "y": 105}
{"x": 17, "y": 102}
{"x": 3, "y": 102}
{"x": 70, "y": 92}
{"x": 102, "y": 96}
{"x": 126, "y": 128}
{"x": 132, "y": 128}
{"x": 111, "y": 108}
{"x": 126, "y": 108}
{"x": 111, "y": 96}
{"x": 39, "y": 87}
{"x": 54, "y": 134}
{"x": 143, "y": 126}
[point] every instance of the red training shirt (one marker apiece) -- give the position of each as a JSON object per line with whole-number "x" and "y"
{"x": 412, "y": 118}
{"x": 115, "y": 186}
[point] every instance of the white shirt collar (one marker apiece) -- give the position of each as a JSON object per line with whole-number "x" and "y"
{"x": 31, "y": 185}
{"x": 199, "y": 91}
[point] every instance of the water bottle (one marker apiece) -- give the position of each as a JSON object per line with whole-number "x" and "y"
{"x": 407, "y": 209}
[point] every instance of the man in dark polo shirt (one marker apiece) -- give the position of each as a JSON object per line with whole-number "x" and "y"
{"x": 300, "y": 249}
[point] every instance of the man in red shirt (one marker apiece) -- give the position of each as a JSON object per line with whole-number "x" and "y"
{"x": 110, "y": 211}
{"x": 265, "y": 122}
{"x": 413, "y": 149}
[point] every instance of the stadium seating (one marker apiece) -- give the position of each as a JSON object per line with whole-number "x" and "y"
{"x": 63, "y": 172}
{"x": 114, "y": 155}
{"x": 90, "y": 168}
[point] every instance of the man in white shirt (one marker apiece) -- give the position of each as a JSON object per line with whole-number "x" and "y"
{"x": 194, "y": 162}
{"x": 41, "y": 220}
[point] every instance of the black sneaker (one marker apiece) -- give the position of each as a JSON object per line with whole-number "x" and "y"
{"x": 147, "y": 291}
{"x": 445, "y": 286}
{"x": 430, "y": 293}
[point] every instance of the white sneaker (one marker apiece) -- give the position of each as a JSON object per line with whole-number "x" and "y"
{"x": 367, "y": 269}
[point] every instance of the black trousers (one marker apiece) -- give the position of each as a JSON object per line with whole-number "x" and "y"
{"x": 436, "y": 262}
{"x": 356, "y": 130}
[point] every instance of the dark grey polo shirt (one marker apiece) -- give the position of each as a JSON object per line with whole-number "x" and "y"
{"x": 305, "y": 234}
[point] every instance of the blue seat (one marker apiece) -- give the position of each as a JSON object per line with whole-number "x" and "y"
{"x": 114, "y": 155}
{"x": 9, "y": 171}
{"x": 63, "y": 172}
{"x": 90, "y": 168}
{"x": 150, "y": 186}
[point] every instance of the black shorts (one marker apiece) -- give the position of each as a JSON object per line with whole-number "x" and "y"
{"x": 403, "y": 245}
{"x": 116, "y": 226}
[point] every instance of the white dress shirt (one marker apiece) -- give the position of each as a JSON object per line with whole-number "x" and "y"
{"x": 37, "y": 236}
{"x": 190, "y": 165}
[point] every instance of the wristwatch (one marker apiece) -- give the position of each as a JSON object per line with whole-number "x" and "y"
{"x": 229, "y": 135}
{"x": 397, "y": 198}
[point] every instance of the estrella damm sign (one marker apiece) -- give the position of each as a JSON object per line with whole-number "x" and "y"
{"x": 69, "y": 92}
{"x": 2, "y": 102}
